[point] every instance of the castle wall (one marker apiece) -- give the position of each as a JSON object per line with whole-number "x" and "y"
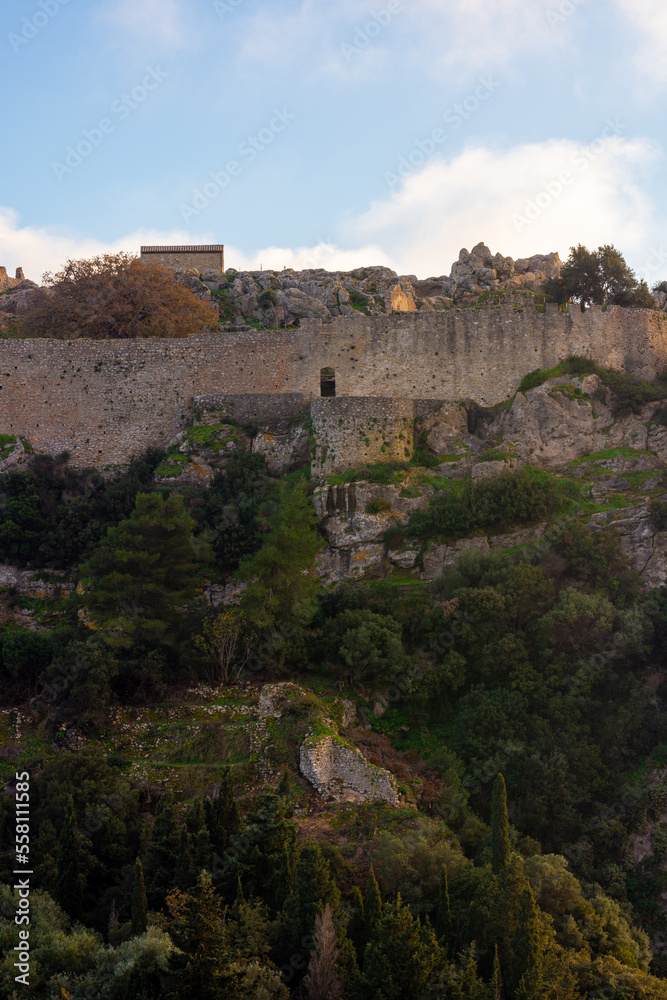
{"x": 107, "y": 400}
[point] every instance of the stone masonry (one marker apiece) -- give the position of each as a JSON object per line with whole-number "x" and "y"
{"x": 105, "y": 401}
{"x": 202, "y": 258}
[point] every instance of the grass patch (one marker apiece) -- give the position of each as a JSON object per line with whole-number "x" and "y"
{"x": 601, "y": 456}
{"x": 384, "y": 474}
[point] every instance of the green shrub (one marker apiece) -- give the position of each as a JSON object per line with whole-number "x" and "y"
{"x": 491, "y": 504}
{"x": 268, "y": 298}
{"x": 658, "y": 514}
{"x": 377, "y": 506}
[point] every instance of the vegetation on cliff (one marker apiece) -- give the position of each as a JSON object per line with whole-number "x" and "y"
{"x": 519, "y": 700}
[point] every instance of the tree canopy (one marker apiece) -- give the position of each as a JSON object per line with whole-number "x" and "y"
{"x": 598, "y": 277}
{"x": 115, "y": 296}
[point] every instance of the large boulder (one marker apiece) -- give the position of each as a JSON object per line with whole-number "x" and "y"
{"x": 297, "y": 305}
{"x": 283, "y": 452}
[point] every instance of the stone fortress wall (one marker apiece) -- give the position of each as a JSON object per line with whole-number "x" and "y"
{"x": 105, "y": 401}
{"x": 202, "y": 258}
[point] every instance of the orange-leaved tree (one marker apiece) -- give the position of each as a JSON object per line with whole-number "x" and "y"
{"x": 115, "y": 296}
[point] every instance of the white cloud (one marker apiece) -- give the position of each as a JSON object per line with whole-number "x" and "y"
{"x": 647, "y": 21}
{"x": 532, "y": 198}
{"x": 326, "y": 255}
{"x": 359, "y": 38}
{"x": 517, "y": 201}
{"x": 38, "y": 250}
{"x": 160, "y": 21}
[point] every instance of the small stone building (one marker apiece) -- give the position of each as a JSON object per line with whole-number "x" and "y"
{"x": 203, "y": 258}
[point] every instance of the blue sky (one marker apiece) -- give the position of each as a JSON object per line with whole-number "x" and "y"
{"x": 333, "y": 134}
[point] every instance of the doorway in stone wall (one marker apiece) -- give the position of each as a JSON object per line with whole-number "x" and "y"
{"x": 327, "y": 382}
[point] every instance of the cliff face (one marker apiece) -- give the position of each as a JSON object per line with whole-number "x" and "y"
{"x": 565, "y": 426}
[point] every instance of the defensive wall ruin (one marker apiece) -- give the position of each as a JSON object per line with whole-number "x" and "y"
{"x": 105, "y": 401}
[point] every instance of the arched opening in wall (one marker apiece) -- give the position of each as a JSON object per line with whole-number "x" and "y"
{"x": 327, "y": 382}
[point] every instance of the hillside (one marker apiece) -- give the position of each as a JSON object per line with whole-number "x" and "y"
{"x": 393, "y": 640}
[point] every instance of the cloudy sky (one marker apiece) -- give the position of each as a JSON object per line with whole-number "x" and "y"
{"x": 333, "y": 133}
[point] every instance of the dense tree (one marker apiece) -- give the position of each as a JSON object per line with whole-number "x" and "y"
{"x": 223, "y": 817}
{"x": 118, "y": 296}
{"x": 314, "y": 888}
{"x": 527, "y": 950}
{"x": 143, "y": 572}
{"x": 236, "y": 508}
{"x": 281, "y": 589}
{"x": 372, "y": 904}
{"x": 403, "y": 957}
{"x": 598, "y": 277}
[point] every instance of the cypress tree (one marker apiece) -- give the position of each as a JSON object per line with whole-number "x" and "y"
{"x": 356, "y": 929}
{"x": 372, "y": 904}
{"x": 284, "y": 789}
{"x": 497, "y": 979}
{"x": 223, "y": 818}
{"x": 139, "y": 903}
{"x": 526, "y": 964}
{"x": 313, "y": 889}
{"x": 285, "y": 882}
{"x": 184, "y": 875}
{"x": 500, "y": 830}
{"x": 163, "y": 852}
{"x": 69, "y": 865}
{"x": 443, "y": 918}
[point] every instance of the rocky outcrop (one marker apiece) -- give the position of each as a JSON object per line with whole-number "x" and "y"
{"x": 567, "y": 418}
{"x": 284, "y": 452}
{"x": 341, "y": 773}
{"x": 354, "y": 519}
{"x": 31, "y": 582}
{"x": 481, "y": 271}
{"x": 20, "y": 298}
{"x": 6, "y": 282}
{"x": 13, "y": 453}
{"x": 644, "y": 546}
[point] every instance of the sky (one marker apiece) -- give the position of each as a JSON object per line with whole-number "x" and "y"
{"x": 333, "y": 133}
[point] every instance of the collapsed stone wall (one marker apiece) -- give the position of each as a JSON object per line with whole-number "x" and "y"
{"x": 105, "y": 401}
{"x": 341, "y": 772}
